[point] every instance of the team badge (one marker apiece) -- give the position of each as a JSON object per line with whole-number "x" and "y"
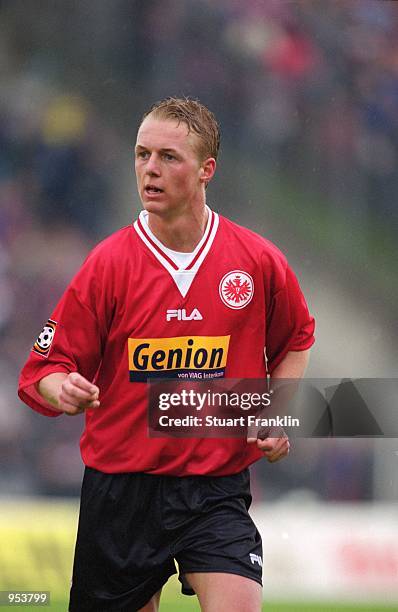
{"x": 43, "y": 343}
{"x": 236, "y": 289}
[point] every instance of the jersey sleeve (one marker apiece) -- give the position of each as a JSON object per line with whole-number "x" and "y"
{"x": 73, "y": 338}
{"x": 290, "y": 327}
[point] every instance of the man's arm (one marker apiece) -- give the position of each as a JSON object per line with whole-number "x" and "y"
{"x": 293, "y": 366}
{"x": 69, "y": 393}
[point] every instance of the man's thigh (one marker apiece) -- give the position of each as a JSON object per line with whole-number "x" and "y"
{"x": 218, "y": 591}
{"x": 223, "y": 539}
{"x": 121, "y": 558}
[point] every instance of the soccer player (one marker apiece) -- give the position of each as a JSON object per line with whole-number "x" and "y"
{"x": 181, "y": 291}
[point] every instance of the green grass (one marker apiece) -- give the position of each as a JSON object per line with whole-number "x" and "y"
{"x": 173, "y": 601}
{"x": 190, "y": 604}
{"x": 39, "y": 556}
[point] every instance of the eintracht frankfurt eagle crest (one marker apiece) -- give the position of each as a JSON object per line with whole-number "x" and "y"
{"x": 236, "y": 289}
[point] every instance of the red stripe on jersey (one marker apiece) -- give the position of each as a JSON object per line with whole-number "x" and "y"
{"x": 203, "y": 245}
{"x": 155, "y": 246}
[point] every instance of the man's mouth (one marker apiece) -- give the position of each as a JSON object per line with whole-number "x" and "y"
{"x": 152, "y": 189}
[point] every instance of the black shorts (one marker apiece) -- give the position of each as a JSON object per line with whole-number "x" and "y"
{"x": 132, "y": 528}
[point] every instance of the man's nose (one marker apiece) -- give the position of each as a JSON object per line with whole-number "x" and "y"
{"x": 152, "y": 166}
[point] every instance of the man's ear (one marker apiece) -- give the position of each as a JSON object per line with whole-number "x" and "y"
{"x": 207, "y": 170}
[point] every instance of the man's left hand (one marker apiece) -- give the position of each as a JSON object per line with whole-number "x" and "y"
{"x": 275, "y": 446}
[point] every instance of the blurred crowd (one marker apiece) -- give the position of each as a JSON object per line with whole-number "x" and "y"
{"x": 309, "y": 88}
{"x": 54, "y": 193}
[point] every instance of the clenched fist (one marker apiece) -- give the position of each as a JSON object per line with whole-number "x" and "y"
{"x": 69, "y": 393}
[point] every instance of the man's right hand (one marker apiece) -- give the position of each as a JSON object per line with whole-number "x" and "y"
{"x": 69, "y": 393}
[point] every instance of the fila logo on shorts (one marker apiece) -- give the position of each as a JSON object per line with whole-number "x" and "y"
{"x": 256, "y": 559}
{"x": 45, "y": 338}
{"x": 236, "y": 289}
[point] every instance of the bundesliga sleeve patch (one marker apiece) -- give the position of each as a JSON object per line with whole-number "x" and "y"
{"x": 45, "y": 338}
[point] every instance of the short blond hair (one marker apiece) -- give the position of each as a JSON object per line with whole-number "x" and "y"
{"x": 198, "y": 118}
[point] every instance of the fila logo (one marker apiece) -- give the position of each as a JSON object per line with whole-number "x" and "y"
{"x": 181, "y": 315}
{"x": 256, "y": 559}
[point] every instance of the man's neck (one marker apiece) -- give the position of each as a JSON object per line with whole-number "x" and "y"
{"x": 181, "y": 233}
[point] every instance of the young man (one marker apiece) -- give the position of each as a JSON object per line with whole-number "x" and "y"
{"x": 147, "y": 501}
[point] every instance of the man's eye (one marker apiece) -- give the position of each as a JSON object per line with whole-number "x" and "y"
{"x": 169, "y": 157}
{"x": 142, "y": 154}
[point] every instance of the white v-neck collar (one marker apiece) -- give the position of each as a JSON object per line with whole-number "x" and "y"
{"x": 181, "y": 259}
{"x": 183, "y": 277}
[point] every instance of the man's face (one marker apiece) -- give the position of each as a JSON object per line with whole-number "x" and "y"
{"x": 170, "y": 176}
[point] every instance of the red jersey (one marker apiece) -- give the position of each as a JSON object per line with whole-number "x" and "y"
{"x": 132, "y": 313}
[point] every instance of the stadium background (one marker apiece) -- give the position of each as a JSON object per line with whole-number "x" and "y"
{"x": 307, "y": 96}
